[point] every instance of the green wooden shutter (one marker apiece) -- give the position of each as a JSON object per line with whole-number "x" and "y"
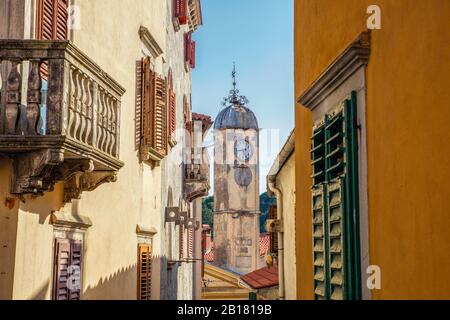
{"x": 335, "y": 206}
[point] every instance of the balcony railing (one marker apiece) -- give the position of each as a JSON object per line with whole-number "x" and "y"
{"x": 66, "y": 124}
{"x": 196, "y": 174}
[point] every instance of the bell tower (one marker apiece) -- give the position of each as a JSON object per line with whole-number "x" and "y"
{"x": 236, "y": 185}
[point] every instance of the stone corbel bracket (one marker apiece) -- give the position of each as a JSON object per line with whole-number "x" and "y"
{"x": 37, "y": 172}
{"x": 86, "y": 181}
{"x": 33, "y": 172}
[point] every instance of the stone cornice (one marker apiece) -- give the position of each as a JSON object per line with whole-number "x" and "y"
{"x": 353, "y": 57}
{"x": 150, "y": 42}
{"x": 143, "y": 231}
{"x": 63, "y": 219}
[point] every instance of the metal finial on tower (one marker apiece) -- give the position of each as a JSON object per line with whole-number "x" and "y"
{"x": 234, "y": 98}
{"x": 233, "y": 74}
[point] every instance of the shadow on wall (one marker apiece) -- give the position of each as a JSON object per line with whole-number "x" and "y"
{"x": 113, "y": 287}
{"x": 122, "y": 285}
{"x": 42, "y": 292}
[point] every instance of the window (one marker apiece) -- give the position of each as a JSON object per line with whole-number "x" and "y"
{"x": 180, "y": 11}
{"x": 67, "y": 268}
{"x": 153, "y": 110}
{"x": 189, "y": 46}
{"x": 335, "y": 204}
{"x": 144, "y": 272}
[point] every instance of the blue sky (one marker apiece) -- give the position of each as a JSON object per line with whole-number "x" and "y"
{"x": 258, "y": 36}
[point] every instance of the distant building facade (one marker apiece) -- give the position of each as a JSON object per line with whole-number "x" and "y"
{"x": 236, "y": 186}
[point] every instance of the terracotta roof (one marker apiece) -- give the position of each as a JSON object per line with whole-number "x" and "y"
{"x": 199, "y": 116}
{"x": 209, "y": 256}
{"x": 264, "y": 243}
{"x": 262, "y": 278}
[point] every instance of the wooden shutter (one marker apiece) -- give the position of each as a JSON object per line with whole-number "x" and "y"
{"x": 192, "y": 55}
{"x": 160, "y": 115}
{"x": 144, "y": 272}
{"x": 180, "y": 11}
{"x": 76, "y": 257}
{"x": 51, "y": 23}
{"x": 180, "y": 242}
{"x": 51, "y": 19}
{"x": 273, "y": 236}
{"x": 190, "y": 242}
{"x": 187, "y": 47}
{"x": 146, "y": 103}
{"x": 172, "y": 112}
{"x": 61, "y": 272}
{"x": 68, "y": 261}
{"x": 334, "y": 158}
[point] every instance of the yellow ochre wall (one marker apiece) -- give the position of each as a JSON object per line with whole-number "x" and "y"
{"x": 408, "y": 95}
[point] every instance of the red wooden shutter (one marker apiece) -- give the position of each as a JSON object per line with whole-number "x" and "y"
{"x": 160, "y": 116}
{"x": 76, "y": 256}
{"x": 61, "y": 272}
{"x": 192, "y": 55}
{"x": 190, "y": 242}
{"x": 144, "y": 272}
{"x": 180, "y": 11}
{"x": 146, "y": 103}
{"x": 181, "y": 242}
{"x": 51, "y": 23}
{"x": 187, "y": 47}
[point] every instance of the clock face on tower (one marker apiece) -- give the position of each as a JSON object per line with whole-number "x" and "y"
{"x": 243, "y": 150}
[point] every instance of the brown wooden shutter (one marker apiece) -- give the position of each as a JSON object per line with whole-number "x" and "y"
{"x": 160, "y": 116}
{"x": 76, "y": 256}
{"x": 172, "y": 112}
{"x": 61, "y": 272}
{"x": 144, "y": 272}
{"x": 146, "y": 103}
{"x": 273, "y": 236}
{"x": 68, "y": 262}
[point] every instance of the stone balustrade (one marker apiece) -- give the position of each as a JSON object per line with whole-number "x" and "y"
{"x": 59, "y": 107}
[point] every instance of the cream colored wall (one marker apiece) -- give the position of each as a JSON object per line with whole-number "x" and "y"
{"x": 286, "y": 183}
{"x": 108, "y": 35}
{"x": 8, "y": 227}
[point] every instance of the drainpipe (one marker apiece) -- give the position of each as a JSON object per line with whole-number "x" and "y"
{"x": 273, "y": 188}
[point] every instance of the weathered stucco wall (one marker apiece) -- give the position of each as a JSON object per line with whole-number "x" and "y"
{"x": 286, "y": 183}
{"x": 407, "y": 137}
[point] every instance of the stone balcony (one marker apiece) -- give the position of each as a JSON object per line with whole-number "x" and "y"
{"x": 64, "y": 128}
{"x": 196, "y": 174}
